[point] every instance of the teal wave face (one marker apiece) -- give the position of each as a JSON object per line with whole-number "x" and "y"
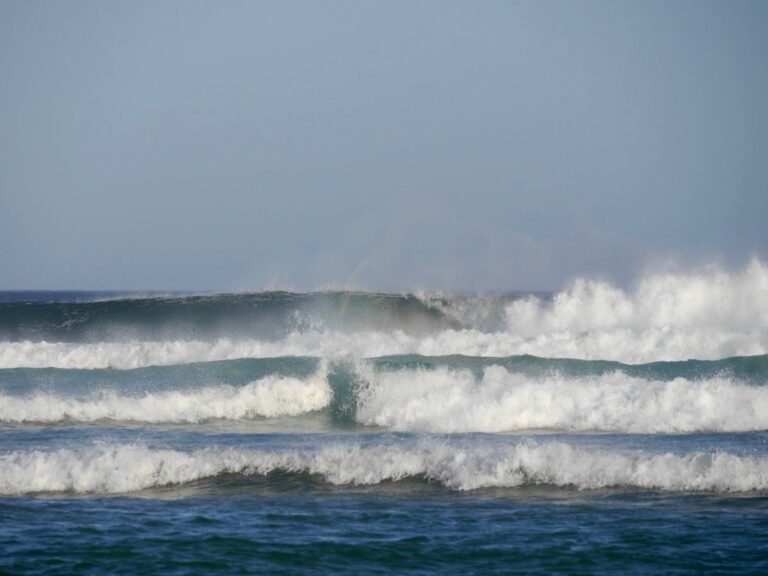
{"x": 179, "y": 377}
{"x": 752, "y": 369}
{"x": 204, "y": 317}
{"x": 748, "y": 369}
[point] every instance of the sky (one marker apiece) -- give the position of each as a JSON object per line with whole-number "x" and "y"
{"x": 399, "y": 145}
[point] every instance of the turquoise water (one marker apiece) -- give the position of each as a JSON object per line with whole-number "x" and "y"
{"x": 373, "y": 433}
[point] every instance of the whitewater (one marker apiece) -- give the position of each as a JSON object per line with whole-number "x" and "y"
{"x": 665, "y": 317}
{"x": 421, "y": 424}
{"x": 129, "y": 468}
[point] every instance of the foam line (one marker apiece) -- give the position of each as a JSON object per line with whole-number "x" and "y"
{"x": 121, "y": 468}
{"x": 271, "y": 396}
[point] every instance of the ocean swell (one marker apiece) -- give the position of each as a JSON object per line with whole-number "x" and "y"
{"x": 708, "y": 315}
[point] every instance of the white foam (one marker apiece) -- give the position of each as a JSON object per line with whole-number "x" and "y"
{"x": 269, "y": 397}
{"x": 619, "y": 344}
{"x": 121, "y": 355}
{"x": 445, "y": 400}
{"x": 713, "y": 298}
{"x": 667, "y": 317}
{"x": 128, "y": 468}
{"x": 137, "y": 354}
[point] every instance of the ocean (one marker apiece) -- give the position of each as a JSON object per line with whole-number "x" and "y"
{"x": 590, "y": 431}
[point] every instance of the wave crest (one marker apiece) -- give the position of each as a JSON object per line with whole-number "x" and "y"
{"x": 446, "y": 400}
{"x": 128, "y": 468}
{"x": 667, "y": 317}
{"x": 443, "y": 399}
{"x": 271, "y": 396}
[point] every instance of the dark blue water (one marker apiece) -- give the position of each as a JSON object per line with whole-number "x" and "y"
{"x": 373, "y": 433}
{"x": 301, "y": 530}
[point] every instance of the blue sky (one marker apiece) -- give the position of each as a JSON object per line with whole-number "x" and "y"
{"x": 381, "y": 145}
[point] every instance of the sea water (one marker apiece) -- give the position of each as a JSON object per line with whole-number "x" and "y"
{"x": 593, "y": 430}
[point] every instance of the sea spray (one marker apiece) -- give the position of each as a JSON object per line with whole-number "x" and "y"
{"x": 449, "y": 400}
{"x": 708, "y": 315}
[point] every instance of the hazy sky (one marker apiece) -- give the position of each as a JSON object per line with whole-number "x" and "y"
{"x": 384, "y": 145}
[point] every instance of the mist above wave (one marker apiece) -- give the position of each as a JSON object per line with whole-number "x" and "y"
{"x": 707, "y": 315}
{"x": 207, "y": 317}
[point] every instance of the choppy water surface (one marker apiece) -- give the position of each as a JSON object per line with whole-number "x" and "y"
{"x": 593, "y": 430}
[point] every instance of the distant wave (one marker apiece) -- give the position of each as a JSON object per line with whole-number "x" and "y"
{"x": 260, "y": 315}
{"x": 667, "y": 317}
{"x": 124, "y": 468}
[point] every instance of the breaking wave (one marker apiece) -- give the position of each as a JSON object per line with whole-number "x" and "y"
{"x": 708, "y": 315}
{"x": 271, "y": 396}
{"x": 449, "y": 400}
{"x": 401, "y": 394}
{"x": 125, "y": 468}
